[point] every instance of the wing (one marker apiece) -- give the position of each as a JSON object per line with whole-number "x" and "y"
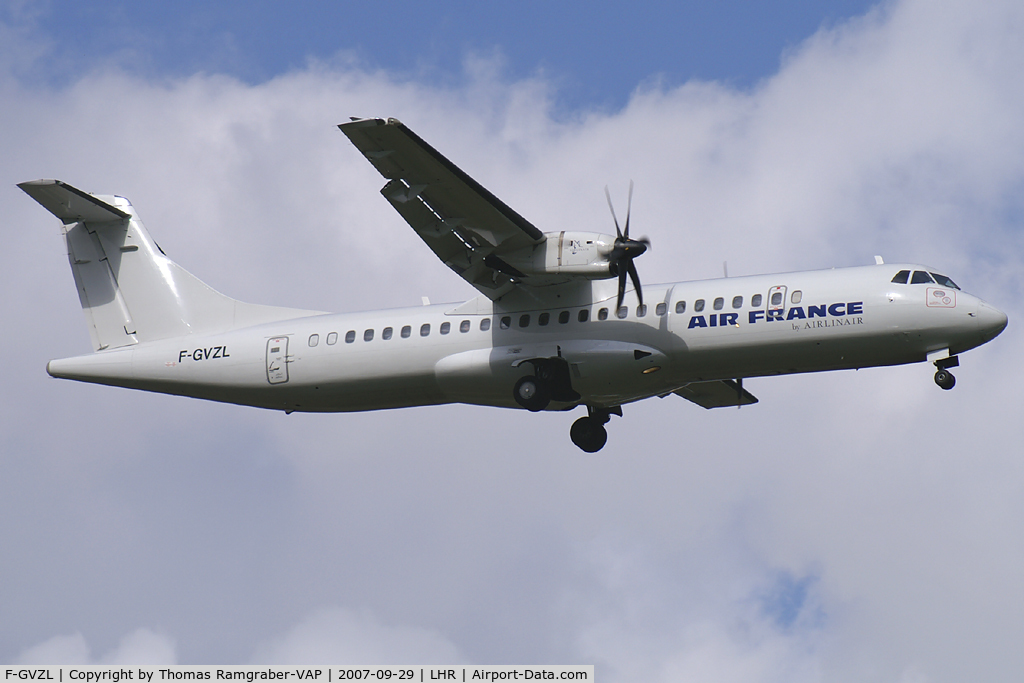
{"x": 465, "y": 225}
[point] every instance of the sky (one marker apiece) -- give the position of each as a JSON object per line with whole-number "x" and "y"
{"x": 852, "y": 526}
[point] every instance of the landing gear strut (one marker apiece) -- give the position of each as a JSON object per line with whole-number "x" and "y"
{"x": 588, "y": 433}
{"x": 943, "y": 377}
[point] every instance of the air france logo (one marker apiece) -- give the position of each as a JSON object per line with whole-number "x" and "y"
{"x": 825, "y": 315}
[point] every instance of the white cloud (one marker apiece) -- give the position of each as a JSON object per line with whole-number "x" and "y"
{"x": 339, "y": 636}
{"x": 483, "y": 534}
{"x": 141, "y": 646}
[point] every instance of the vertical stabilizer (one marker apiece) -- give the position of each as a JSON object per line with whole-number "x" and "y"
{"x": 130, "y": 291}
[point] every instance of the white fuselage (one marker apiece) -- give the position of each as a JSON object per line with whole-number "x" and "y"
{"x": 690, "y": 332}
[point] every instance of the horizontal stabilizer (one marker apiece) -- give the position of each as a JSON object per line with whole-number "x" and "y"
{"x": 718, "y": 394}
{"x": 70, "y": 204}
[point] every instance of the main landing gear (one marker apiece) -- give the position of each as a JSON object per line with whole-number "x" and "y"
{"x": 943, "y": 377}
{"x": 588, "y": 433}
{"x": 549, "y": 383}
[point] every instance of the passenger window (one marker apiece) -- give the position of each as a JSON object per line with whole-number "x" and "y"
{"x": 584, "y": 315}
{"x": 661, "y": 309}
{"x": 602, "y": 314}
{"x": 641, "y": 310}
{"x": 368, "y": 335}
{"x": 737, "y": 302}
{"x": 755, "y": 300}
{"x": 386, "y": 333}
{"x": 446, "y": 328}
{"x": 524, "y": 320}
{"x": 796, "y": 296}
{"x": 698, "y": 305}
{"x": 680, "y": 307}
{"x": 901, "y": 277}
{"x": 505, "y": 322}
{"x": 406, "y": 332}
{"x": 464, "y": 326}
{"x": 563, "y": 317}
{"x": 719, "y": 303}
{"x": 425, "y": 330}
{"x": 485, "y": 324}
{"x": 543, "y": 319}
{"x": 622, "y": 312}
{"x": 350, "y": 336}
{"x": 314, "y": 339}
{"x": 332, "y": 338}
{"x": 776, "y": 298}
{"x": 920, "y": 278}
{"x": 944, "y": 281}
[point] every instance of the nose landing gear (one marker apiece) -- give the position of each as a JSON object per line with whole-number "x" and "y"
{"x": 588, "y": 433}
{"x": 943, "y": 377}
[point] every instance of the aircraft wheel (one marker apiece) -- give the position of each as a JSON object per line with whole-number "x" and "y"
{"x": 531, "y": 393}
{"x": 945, "y": 379}
{"x": 588, "y": 434}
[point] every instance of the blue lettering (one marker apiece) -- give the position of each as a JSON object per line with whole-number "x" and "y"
{"x": 775, "y": 315}
{"x": 855, "y": 308}
{"x": 796, "y": 312}
{"x": 837, "y": 310}
{"x": 728, "y": 319}
{"x": 816, "y": 311}
{"x": 714, "y": 319}
{"x": 697, "y": 321}
{"x": 753, "y": 316}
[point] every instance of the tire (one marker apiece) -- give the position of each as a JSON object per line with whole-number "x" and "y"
{"x": 531, "y": 393}
{"x": 945, "y": 379}
{"x": 588, "y": 434}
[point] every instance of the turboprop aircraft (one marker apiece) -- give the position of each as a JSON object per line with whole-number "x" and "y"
{"x": 551, "y": 329}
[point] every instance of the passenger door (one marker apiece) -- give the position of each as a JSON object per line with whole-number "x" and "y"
{"x": 277, "y": 360}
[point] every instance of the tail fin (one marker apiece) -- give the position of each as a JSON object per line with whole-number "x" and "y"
{"x": 130, "y": 291}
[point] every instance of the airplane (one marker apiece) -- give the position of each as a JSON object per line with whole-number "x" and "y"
{"x": 551, "y": 328}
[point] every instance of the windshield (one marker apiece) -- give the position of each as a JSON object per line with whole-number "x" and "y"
{"x": 944, "y": 281}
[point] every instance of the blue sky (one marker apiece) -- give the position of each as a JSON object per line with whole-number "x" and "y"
{"x": 851, "y": 526}
{"x": 596, "y": 56}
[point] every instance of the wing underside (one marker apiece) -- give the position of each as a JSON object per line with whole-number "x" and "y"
{"x": 461, "y": 221}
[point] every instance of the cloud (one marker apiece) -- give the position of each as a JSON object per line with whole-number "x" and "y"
{"x": 851, "y": 525}
{"x": 339, "y": 636}
{"x": 141, "y": 646}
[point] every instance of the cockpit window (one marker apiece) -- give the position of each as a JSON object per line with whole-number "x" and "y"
{"x": 901, "y": 277}
{"x": 920, "y": 278}
{"x": 944, "y": 281}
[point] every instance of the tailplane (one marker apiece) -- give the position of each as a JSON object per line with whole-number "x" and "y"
{"x": 130, "y": 291}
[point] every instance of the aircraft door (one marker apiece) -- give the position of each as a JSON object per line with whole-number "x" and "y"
{"x": 776, "y": 302}
{"x": 277, "y": 360}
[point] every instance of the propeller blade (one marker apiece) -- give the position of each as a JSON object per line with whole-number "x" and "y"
{"x": 620, "y": 260}
{"x": 629, "y": 209}
{"x": 608, "y": 195}
{"x": 636, "y": 282}
{"x": 622, "y": 288}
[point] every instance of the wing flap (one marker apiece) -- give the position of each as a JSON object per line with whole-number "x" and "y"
{"x": 716, "y": 394}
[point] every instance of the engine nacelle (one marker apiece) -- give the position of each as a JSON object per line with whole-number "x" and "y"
{"x": 582, "y": 254}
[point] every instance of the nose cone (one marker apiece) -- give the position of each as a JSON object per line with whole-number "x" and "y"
{"x": 991, "y": 321}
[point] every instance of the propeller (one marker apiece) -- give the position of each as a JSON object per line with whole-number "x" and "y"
{"x": 620, "y": 259}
